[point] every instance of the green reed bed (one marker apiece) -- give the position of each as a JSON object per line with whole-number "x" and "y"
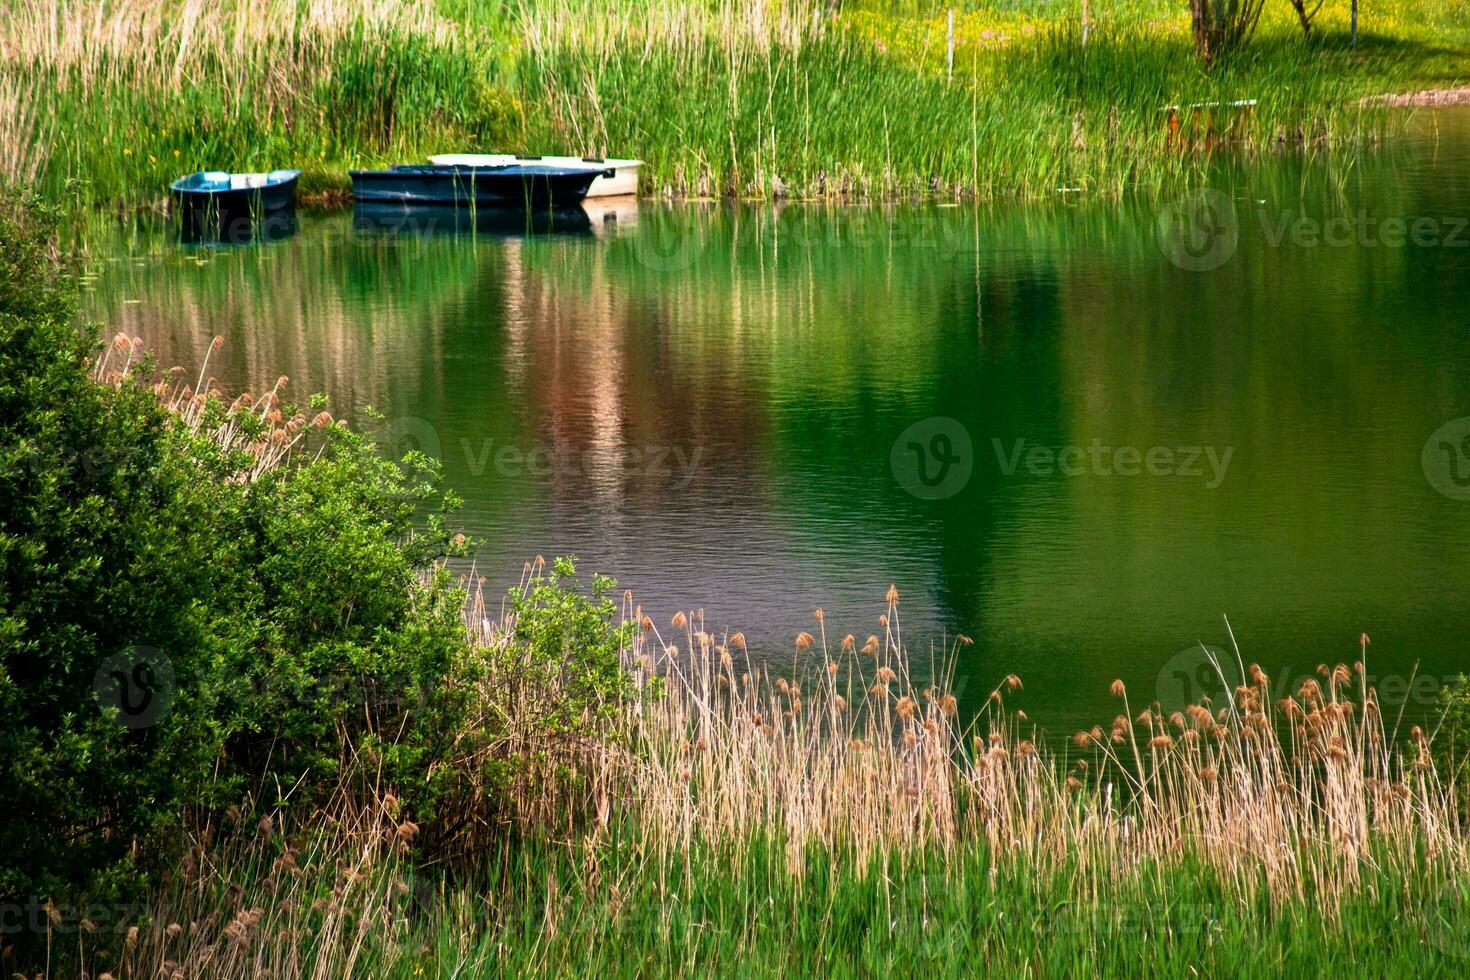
{"x": 321, "y": 904}
{"x": 737, "y": 97}
{"x": 814, "y": 108}
{"x": 120, "y": 100}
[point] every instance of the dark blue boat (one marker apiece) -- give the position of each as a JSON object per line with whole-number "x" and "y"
{"x": 218, "y": 192}
{"x": 515, "y": 185}
{"x": 430, "y": 220}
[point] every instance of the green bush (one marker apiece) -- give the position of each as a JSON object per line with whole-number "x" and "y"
{"x": 1451, "y": 749}
{"x": 567, "y": 643}
{"x": 553, "y": 684}
{"x": 173, "y": 635}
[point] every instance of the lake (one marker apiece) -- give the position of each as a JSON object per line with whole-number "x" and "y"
{"x": 1079, "y": 432}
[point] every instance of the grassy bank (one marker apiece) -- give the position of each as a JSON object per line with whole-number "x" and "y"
{"x": 612, "y": 909}
{"x": 729, "y": 821}
{"x": 111, "y": 101}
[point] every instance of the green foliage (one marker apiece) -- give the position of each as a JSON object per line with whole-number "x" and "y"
{"x": 335, "y": 637}
{"x": 292, "y": 631}
{"x": 1451, "y": 747}
{"x": 616, "y": 908}
{"x": 568, "y": 644}
{"x": 547, "y": 710}
{"x": 82, "y": 475}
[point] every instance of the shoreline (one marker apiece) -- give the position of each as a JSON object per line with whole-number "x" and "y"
{"x": 1430, "y": 98}
{"x": 337, "y": 197}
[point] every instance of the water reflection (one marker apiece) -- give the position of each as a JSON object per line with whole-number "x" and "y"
{"x": 227, "y": 228}
{"x": 394, "y": 219}
{"x": 704, "y": 401}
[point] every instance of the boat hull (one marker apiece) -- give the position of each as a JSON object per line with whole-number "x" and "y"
{"x": 430, "y": 220}
{"x": 236, "y": 194}
{"x": 619, "y": 178}
{"x": 512, "y": 186}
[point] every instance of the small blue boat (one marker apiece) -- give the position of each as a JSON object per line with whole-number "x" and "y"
{"x": 216, "y": 191}
{"x": 514, "y": 185}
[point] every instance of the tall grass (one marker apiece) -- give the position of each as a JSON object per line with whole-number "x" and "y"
{"x": 737, "y": 97}
{"x": 24, "y": 135}
{"x": 266, "y": 429}
{"x": 137, "y": 94}
{"x": 754, "y": 99}
{"x": 739, "y": 818}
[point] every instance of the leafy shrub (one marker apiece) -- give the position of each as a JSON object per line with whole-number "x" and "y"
{"x": 552, "y": 687}
{"x": 180, "y": 630}
{"x": 562, "y": 642}
{"x": 268, "y": 630}
{"x": 1451, "y": 749}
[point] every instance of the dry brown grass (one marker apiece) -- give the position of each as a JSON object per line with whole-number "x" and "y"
{"x": 1298, "y": 797}
{"x": 257, "y": 426}
{"x": 24, "y": 135}
{"x": 178, "y": 38}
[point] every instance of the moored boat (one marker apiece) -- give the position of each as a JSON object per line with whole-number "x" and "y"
{"x": 514, "y": 185}
{"x": 232, "y": 193}
{"x": 618, "y": 177}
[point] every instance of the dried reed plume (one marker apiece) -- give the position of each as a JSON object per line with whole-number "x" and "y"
{"x": 254, "y": 426}
{"x": 1297, "y": 798}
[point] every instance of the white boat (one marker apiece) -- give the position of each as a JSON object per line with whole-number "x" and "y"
{"x": 619, "y": 177}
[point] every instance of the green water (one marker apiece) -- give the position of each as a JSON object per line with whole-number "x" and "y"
{"x": 1068, "y": 430}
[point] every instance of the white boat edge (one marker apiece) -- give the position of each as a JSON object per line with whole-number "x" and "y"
{"x": 623, "y": 181}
